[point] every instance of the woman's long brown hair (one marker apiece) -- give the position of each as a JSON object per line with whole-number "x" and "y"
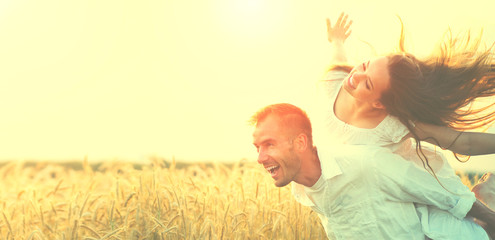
{"x": 442, "y": 89}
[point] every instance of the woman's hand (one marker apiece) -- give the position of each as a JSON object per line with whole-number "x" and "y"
{"x": 340, "y": 31}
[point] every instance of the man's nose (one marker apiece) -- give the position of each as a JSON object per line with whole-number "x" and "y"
{"x": 262, "y": 156}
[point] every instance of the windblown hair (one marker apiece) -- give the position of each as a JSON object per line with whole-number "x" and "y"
{"x": 292, "y": 118}
{"x": 442, "y": 89}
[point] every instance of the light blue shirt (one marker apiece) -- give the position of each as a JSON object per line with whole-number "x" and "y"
{"x": 367, "y": 192}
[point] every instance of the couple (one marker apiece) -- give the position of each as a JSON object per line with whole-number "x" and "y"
{"x": 374, "y": 186}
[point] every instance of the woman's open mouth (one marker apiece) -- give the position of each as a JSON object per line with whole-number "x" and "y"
{"x": 350, "y": 82}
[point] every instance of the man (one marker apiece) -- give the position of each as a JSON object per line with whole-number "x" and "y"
{"x": 359, "y": 192}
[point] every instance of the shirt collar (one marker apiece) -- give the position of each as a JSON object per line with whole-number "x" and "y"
{"x": 329, "y": 166}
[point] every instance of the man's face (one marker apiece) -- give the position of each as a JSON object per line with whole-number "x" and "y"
{"x": 276, "y": 150}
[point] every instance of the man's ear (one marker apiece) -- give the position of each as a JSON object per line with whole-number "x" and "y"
{"x": 378, "y": 105}
{"x": 301, "y": 142}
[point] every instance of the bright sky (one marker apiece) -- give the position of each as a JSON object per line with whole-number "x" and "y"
{"x": 180, "y": 78}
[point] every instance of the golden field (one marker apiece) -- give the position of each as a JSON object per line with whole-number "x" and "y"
{"x": 160, "y": 200}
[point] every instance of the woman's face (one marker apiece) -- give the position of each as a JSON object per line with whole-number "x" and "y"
{"x": 367, "y": 81}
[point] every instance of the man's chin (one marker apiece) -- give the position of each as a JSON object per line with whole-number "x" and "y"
{"x": 281, "y": 183}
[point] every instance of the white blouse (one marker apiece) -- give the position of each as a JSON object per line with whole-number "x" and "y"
{"x": 387, "y": 134}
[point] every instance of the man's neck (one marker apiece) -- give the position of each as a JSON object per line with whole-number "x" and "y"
{"x": 310, "y": 169}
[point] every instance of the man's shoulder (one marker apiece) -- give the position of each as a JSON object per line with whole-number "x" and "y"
{"x": 352, "y": 158}
{"x": 357, "y": 152}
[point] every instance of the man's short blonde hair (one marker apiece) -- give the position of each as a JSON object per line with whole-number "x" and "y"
{"x": 291, "y": 117}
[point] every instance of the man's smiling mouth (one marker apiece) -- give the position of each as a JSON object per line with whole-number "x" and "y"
{"x": 272, "y": 170}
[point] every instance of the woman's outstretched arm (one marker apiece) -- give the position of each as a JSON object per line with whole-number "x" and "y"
{"x": 466, "y": 143}
{"x": 337, "y": 34}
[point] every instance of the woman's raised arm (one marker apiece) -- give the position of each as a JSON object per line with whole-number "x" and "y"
{"x": 337, "y": 35}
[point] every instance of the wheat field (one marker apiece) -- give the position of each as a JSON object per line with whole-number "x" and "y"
{"x": 160, "y": 200}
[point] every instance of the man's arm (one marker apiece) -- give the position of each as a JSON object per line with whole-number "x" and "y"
{"x": 404, "y": 181}
{"x": 485, "y": 215}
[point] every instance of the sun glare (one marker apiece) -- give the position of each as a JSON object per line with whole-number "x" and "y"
{"x": 178, "y": 78}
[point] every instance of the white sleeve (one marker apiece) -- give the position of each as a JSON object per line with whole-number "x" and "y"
{"x": 335, "y": 75}
{"x": 394, "y": 131}
{"x": 330, "y": 84}
{"x": 403, "y": 180}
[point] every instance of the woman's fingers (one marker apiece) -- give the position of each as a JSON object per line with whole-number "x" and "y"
{"x": 348, "y": 34}
{"x": 348, "y": 25}
{"x": 339, "y": 20}
{"x": 340, "y": 30}
{"x": 344, "y": 21}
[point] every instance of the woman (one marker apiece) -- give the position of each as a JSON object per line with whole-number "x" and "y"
{"x": 389, "y": 99}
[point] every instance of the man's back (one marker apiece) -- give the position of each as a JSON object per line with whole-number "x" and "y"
{"x": 369, "y": 193}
